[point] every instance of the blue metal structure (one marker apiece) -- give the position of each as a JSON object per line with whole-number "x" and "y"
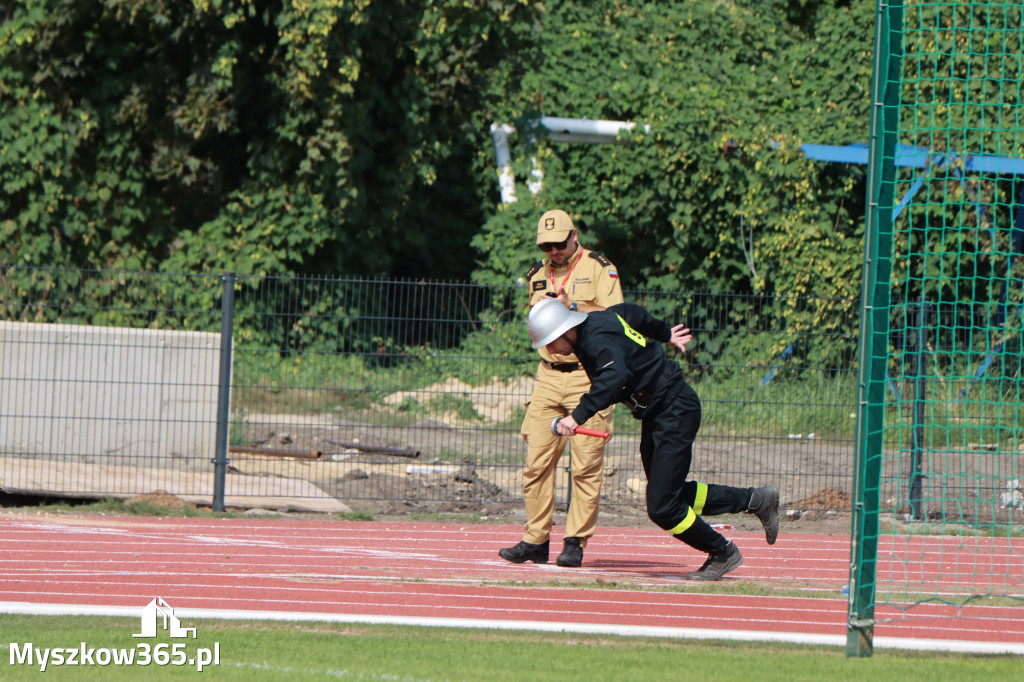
{"x": 908, "y": 156}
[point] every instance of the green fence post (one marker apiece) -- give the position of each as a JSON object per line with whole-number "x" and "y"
{"x": 917, "y": 510}
{"x": 874, "y": 326}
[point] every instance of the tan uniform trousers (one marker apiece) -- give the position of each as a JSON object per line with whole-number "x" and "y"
{"x": 556, "y": 394}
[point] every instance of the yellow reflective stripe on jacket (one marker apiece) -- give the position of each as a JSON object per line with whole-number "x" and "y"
{"x": 700, "y": 498}
{"x": 691, "y": 517}
{"x": 633, "y": 334}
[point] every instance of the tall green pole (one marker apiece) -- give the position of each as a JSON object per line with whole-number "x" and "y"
{"x": 874, "y": 325}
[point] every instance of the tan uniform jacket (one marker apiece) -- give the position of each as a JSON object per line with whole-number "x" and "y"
{"x": 593, "y": 281}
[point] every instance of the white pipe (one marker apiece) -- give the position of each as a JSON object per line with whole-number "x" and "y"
{"x": 584, "y": 130}
{"x": 559, "y": 130}
{"x": 506, "y": 180}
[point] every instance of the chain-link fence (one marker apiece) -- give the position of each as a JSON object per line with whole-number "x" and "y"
{"x": 359, "y": 390}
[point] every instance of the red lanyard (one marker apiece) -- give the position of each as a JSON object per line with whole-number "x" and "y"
{"x": 551, "y": 272}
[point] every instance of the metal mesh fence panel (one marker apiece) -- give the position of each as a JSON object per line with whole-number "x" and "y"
{"x": 108, "y": 382}
{"x": 938, "y": 492}
{"x": 407, "y": 394}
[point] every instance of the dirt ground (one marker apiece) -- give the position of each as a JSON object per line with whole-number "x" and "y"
{"x": 400, "y": 476}
{"x": 441, "y": 465}
{"x": 445, "y": 465}
{"x": 470, "y": 462}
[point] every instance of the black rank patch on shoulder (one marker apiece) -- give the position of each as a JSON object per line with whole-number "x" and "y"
{"x": 540, "y": 285}
{"x": 534, "y": 270}
{"x": 600, "y": 259}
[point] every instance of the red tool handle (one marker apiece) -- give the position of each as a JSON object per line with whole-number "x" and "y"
{"x": 579, "y": 429}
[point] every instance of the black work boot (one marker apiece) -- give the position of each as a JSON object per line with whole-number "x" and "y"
{"x": 764, "y": 504}
{"x": 525, "y": 551}
{"x": 718, "y": 565}
{"x": 572, "y": 553}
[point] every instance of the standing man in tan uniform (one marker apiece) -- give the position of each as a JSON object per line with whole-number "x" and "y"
{"x": 585, "y": 281}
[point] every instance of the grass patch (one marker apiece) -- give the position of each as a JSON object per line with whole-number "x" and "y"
{"x": 256, "y": 650}
{"x": 461, "y": 407}
{"x": 355, "y": 515}
{"x": 110, "y": 505}
{"x": 446, "y": 517}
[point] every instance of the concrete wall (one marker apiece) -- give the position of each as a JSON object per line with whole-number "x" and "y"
{"x": 108, "y": 395}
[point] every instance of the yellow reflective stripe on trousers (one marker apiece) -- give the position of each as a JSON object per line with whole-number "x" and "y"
{"x": 700, "y": 498}
{"x": 691, "y": 517}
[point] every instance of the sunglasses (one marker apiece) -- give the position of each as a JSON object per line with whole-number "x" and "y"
{"x": 547, "y": 246}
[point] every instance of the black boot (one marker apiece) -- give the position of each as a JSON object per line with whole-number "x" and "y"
{"x": 572, "y": 553}
{"x": 764, "y": 504}
{"x": 718, "y": 565}
{"x": 525, "y": 551}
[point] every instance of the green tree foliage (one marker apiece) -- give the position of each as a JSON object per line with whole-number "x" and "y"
{"x": 352, "y": 136}
{"x": 256, "y": 136}
{"x": 717, "y": 196}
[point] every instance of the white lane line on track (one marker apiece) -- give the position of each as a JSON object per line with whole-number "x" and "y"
{"x": 329, "y": 535}
{"x": 337, "y": 592}
{"x": 163, "y": 534}
{"x": 480, "y": 613}
{"x": 386, "y": 595}
{"x": 812, "y": 616}
{"x": 723, "y": 605}
{"x": 483, "y": 573}
{"x": 634, "y": 631}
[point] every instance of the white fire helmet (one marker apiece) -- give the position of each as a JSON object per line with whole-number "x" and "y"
{"x": 549, "y": 319}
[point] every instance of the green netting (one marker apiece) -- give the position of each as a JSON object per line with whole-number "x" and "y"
{"x": 939, "y": 513}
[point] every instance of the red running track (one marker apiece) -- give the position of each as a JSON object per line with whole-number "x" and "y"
{"x": 449, "y": 574}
